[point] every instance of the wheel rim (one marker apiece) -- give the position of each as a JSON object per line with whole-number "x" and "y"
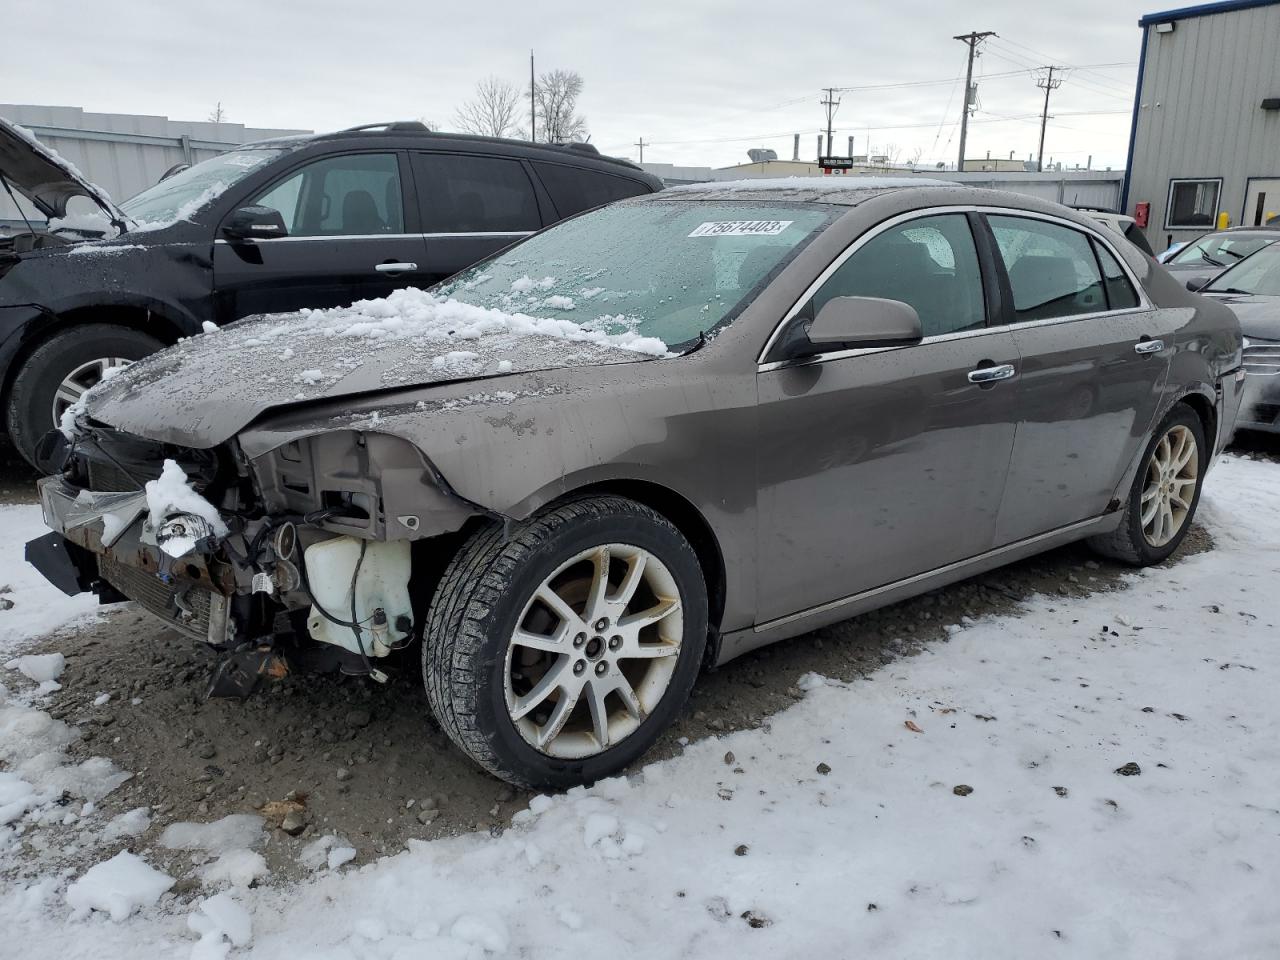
{"x": 594, "y": 650}
{"x": 1172, "y": 475}
{"x": 75, "y": 384}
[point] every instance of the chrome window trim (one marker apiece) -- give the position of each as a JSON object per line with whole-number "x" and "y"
{"x": 389, "y": 236}
{"x": 1096, "y": 232}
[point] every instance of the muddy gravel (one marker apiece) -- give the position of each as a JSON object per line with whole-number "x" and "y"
{"x": 347, "y": 756}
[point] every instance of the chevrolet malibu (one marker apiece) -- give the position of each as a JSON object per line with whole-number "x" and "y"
{"x": 642, "y": 443}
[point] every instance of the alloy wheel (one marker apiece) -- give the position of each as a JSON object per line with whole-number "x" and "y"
{"x": 594, "y": 650}
{"x": 77, "y": 383}
{"x": 1172, "y": 474}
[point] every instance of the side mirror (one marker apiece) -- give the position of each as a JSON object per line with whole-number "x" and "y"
{"x": 865, "y": 322}
{"x": 254, "y": 223}
{"x": 1196, "y": 284}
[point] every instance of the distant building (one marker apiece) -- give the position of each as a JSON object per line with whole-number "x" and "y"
{"x": 1000, "y": 165}
{"x": 1206, "y": 120}
{"x": 124, "y": 153}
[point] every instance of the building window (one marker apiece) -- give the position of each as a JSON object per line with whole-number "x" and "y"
{"x": 1193, "y": 204}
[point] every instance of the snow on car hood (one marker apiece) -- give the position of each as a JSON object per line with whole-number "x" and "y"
{"x": 205, "y": 389}
{"x": 45, "y": 178}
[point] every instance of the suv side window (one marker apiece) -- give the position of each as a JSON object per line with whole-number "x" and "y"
{"x": 1051, "y": 268}
{"x": 461, "y": 194}
{"x": 1120, "y": 292}
{"x": 354, "y": 195}
{"x": 930, "y": 263}
{"x": 574, "y": 189}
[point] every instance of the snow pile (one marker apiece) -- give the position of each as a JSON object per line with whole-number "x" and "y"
{"x": 417, "y": 314}
{"x": 43, "y": 668}
{"x": 172, "y": 493}
{"x": 221, "y": 923}
{"x": 117, "y": 887}
{"x": 328, "y": 851}
{"x": 38, "y": 607}
{"x": 229, "y": 840}
{"x": 133, "y": 823}
{"x": 38, "y": 780}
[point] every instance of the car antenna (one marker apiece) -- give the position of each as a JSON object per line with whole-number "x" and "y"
{"x": 21, "y": 213}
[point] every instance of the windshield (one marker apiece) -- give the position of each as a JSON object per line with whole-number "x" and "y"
{"x": 1259, "y": 274}
{"x": 1221, "y": 249}
{"x": 181, "y": 195}
{"x": 672, "y": 270}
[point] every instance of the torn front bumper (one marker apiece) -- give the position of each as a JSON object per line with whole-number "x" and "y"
{"x": 100, "y": 543}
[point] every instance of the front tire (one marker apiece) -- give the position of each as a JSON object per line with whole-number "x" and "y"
{"x": 1162, "y": 502}
{"x": 60, "y": 370}
{"x": 557, "y": 655}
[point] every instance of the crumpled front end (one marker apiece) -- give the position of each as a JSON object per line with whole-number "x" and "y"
{"x": 299, "y": 560}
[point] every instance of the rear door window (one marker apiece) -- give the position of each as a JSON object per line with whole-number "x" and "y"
{"x": 354, "y": 195}
{"x": 574, "y": 189}
{"x": 1051, "y": 269}
{"x": 467, "y": 194}
{"x": 1120, "y": 292}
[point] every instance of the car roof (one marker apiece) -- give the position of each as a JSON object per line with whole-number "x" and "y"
{"x": 411, "y": 133}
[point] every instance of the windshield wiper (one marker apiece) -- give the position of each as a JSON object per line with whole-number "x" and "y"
{"x": 1208, "y": 259}
{"x": 1247, "y": 293}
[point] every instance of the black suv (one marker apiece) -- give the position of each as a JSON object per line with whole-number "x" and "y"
{"x": 310, "y": 221}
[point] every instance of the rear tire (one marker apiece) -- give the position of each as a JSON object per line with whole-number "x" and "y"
{"x": 67, "y": 358}
{"x": 505, "y": 669}
{"x": 1162, "y": 501}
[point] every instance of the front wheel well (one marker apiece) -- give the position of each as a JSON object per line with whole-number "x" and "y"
{"x": 688, "y": 520}
{"x": 141, "y": 319}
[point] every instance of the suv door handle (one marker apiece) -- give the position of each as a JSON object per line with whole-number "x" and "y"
{"x": 1001, "y": 371}
{"x": 1148, "y": 346}
{"x": 395, "y": 268}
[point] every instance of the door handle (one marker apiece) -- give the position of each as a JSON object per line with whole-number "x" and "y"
{"x": 1148, "y": 346}
{"x": 395, "y": 268}
{"x": 1001, "y": 371}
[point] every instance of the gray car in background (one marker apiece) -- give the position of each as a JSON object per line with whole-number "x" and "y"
{"x": 1203, "y": 258}
{"x": 645, "y": 441}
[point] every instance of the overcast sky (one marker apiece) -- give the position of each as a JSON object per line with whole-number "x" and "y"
{"x": 702, "y": 80}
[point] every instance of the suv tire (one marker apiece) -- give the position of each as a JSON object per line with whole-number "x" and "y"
{"x": 29, "y": 413}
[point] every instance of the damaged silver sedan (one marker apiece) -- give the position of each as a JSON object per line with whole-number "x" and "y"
{"x": 645, "y": 441}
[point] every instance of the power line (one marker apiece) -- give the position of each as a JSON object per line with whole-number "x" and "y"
{"x": 1048, "y": 84}
{"x": 972, "y": 40}
{"x": 832, "y": 105}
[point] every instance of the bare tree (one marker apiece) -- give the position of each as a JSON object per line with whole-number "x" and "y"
{"x": 555, "y": 98}
{"x": 492, "y": 113}
{"x": 217, "y": 114}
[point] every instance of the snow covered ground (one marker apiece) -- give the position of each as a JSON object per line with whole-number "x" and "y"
{"x": 1094, "y": 777}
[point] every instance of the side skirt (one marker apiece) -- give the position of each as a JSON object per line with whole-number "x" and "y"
{"x": 743, "y": 641}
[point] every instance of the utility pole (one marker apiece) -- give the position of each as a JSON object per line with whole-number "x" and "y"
{"x": 533, "y": 86}
{"x": 1048, "y": 84}
{"x": 971, "y": 40}
{"x": 640, "y": 143}
{"x": 831, "y": 104}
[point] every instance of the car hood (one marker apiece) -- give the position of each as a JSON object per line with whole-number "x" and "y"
{"x": 1259, "y": 316}
{"x": 207, "y": 388}
{"x": 45, "y": 178}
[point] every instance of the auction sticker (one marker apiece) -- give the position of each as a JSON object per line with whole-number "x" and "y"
{"x": 741, "y": 228}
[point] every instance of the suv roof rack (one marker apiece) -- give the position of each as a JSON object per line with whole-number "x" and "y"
{"x": 414, "y": 125}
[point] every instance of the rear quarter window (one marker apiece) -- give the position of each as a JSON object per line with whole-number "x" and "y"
{"x": 574, "y": 189}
